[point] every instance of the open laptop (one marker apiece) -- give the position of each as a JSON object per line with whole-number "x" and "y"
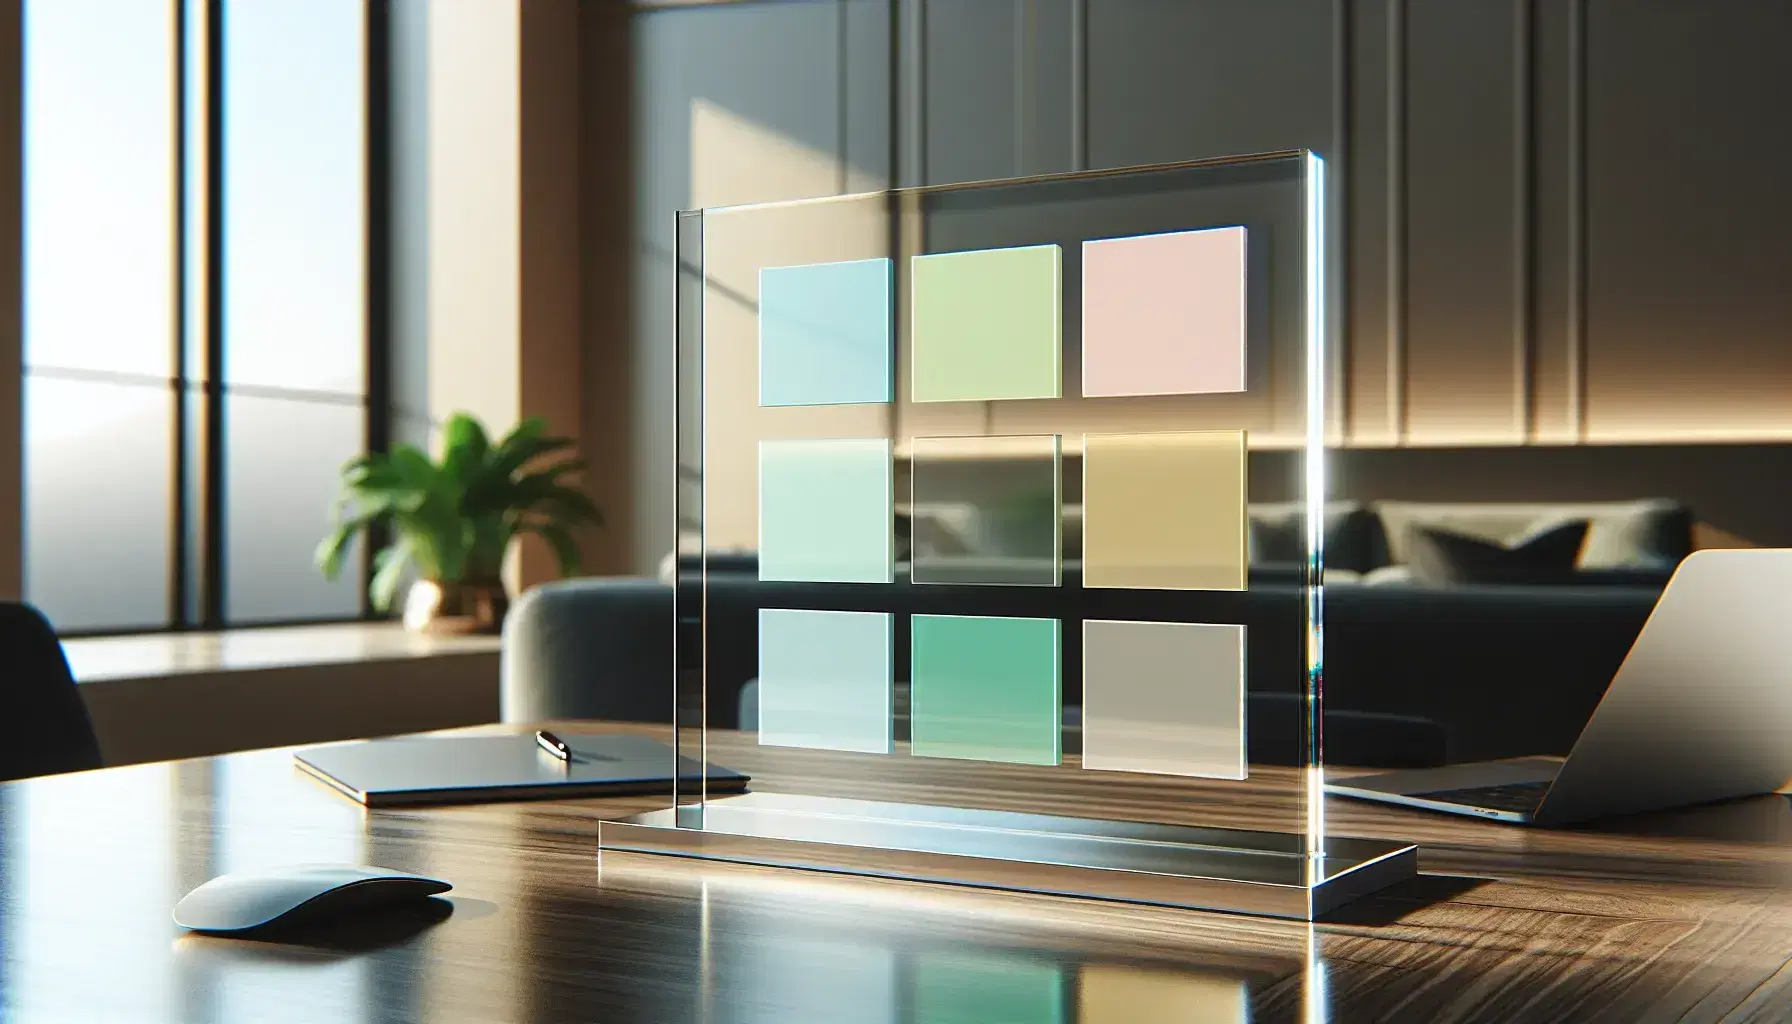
{"x": 1700, "y": 710}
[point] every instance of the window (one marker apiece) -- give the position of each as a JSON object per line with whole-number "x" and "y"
{"x": 200, "y": 358}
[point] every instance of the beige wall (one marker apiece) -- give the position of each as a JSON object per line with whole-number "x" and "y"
{"x": 610, "y": 403}
{"x": 474, "y": 55}
{"x": 488, "y": 304}
{"x": 549, "y": 360}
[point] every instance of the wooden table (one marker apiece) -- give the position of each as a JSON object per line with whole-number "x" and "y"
{"x": 1677, "y": 917}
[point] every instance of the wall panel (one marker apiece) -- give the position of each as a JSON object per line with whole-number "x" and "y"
{"x": 1689, "y": 221}
{"x": 1465, "y": 221}
{"x": 1558, "y": 221}
{"x": 1558, "y": 149}
{"x": 972, "y": 126}
{"x": 1178, "y": 81}
{"x": 1369, "y": 185}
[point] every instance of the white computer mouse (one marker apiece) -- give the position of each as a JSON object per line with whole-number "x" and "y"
{"x": 298, "y": 894}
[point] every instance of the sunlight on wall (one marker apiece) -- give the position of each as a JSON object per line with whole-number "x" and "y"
{"x": 735, "y": 161}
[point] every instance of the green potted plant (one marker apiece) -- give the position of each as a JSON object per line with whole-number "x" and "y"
{"x": 452, "y": 521}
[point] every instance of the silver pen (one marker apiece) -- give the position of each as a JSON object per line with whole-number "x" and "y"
{"x": 554, "y": 745}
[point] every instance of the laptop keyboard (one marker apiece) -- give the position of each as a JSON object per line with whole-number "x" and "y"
{"x": 1522, "y": 797}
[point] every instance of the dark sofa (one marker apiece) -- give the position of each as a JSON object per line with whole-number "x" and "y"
{"x": 1505, "y": 669}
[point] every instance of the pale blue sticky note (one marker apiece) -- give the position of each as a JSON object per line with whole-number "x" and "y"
{"x": 824, "y": 333}
{"x": 824, "y": 679}
{"x": 825, "y": 514}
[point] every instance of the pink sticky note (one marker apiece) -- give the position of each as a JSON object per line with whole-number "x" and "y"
{"x": 1164, "y": 314}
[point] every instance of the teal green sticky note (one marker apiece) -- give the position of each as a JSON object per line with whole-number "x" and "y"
{"x": 967, "y": 988}
{"x": 984, "y": 688}
{"x": 986, "y": 325}
{"x": 824, "y": 679}
{"x": 825, "y": 513}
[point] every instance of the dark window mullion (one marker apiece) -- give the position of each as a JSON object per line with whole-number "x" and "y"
{"x": 376, "y": 64}
{"x": 180, "y": 578}
{"x": 212, "y": 471}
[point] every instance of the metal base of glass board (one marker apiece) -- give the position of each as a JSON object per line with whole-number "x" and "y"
{"x": 1262, "y": 873}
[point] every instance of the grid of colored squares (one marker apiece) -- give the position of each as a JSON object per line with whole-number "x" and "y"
{"x": 1159, "y": 697}
{"x": 1160, "y": 511}
{"x": 1162, "y": 314}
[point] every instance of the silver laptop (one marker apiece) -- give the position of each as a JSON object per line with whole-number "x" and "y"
{"x": 1700, "y": 710}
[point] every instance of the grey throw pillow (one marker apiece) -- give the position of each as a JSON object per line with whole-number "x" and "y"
{"x": 1445, "y": 557}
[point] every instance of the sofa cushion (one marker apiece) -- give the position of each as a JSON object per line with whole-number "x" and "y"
{"x": 1278, "y": 534}
{"x": 1444, "y": 557}
{"x": 1653, "y": 533}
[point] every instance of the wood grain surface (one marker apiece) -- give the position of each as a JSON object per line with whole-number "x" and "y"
{"x": 1683, "y": 916}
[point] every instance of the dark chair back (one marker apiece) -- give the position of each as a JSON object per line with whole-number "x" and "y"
{"x": 44, "y": 728}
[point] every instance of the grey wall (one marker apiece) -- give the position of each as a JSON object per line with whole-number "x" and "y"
{"x": 1555, "y": 221}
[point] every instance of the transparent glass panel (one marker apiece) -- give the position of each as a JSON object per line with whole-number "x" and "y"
{"x": 1126, "y": 506}
{"x": 282, "y": 460}
{"x": 99, "y": 185}
{"x": 294, "y": 194}
{"x": 94, "y": 449}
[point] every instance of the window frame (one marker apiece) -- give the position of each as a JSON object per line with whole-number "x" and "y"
{"x": 197, "y": 577}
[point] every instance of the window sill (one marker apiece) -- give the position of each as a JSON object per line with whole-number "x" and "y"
{"x": 153, "y": 655}
{"x": 161, "y": 697}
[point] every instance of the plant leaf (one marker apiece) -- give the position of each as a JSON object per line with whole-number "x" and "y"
{"x": 489, "y": 539}
{"x": 562, "y": 504}
{"x": 507, "y": 462}
{"x": 389, "y": 565}
{"x": 465, "y": 449}
{"x": 566, "y": 549}
{"x": 331, "y": 549}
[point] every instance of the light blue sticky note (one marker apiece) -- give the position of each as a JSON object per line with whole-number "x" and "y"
{"x": 825, "y": 513}
{"x": 824, "y": 679}
{"x": 824, "y": 333}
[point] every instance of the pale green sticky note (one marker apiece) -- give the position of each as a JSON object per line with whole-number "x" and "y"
{"x": 985, "y": 688}
{"x": 986, "y": 325}
{"x": 825, "y": 512}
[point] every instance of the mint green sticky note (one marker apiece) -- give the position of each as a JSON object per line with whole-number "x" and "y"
{"x": 984, "y": 688}
{"x": 986, "y": 325}
{"x": 825, "y": 513}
